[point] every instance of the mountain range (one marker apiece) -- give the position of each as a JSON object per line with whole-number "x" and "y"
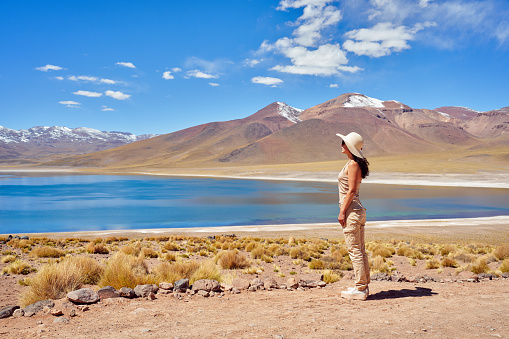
{"x": 281, "y": 134}
{"x": 42, "y": 143}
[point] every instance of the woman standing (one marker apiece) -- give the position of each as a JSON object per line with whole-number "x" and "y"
{"x": 352, "y": 215}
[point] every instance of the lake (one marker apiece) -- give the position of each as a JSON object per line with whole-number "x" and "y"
{"x": 70, "y": 203}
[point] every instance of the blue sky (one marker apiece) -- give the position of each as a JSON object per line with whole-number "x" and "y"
{"x": 161, "y": 66}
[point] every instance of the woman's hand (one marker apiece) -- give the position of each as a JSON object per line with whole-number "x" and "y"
{"x": 342, "y": 218}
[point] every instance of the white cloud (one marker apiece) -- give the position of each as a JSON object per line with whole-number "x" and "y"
{"x": 202, "y": 75}
{"x": 176, "y": 70}
{"x": 107, "y": 109}
{"x": 266, "y": 81}
{"x": 126, "y": 64}
{"x": 251, "y": 62}
{"x": 82, "y": 78}
{"x": 108, "y": 81}
{"x": 88, "y": 94}
{"x": 334, "y": 86}
{"x": 49, "y": 68}
{"x": 213, "y": 84}
{"x": 69, "y": 102}
{"x": 117, "y": 95}
{"x": 59, "y": 78}
{"x": 382, "y": 39}
{"x": 167, "y": 75}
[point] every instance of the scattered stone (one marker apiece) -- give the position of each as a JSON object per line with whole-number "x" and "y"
{"x": 505, "y": 275}
{"x": 226, "y": 287}
{"x": 56, "y": 313}
{"x": 269, "y": 283}
{"x": 145, "y": 330}
{"x": 164, "y": 292}
{"x": 127, "y": 292}
{"x": 292, "y": 283}
{"x": 143, "y": 291}
{"x": 83, "y": 296}
{"x": 108, "y": 292}
{"x": 348, "y": 276}
{"x": 18, "y": 313}
{"x": 203, "y": 293}
{"x": 206, "y": 285}
{"x": 235, "y": 290}
{"x": 240, "y": 284}
{"x": 181, "y": 286}
{"x": 166, "y": 286}
{"x": 151, "y": 296}
{"x": 61, "y": 320}
{"x": 72, "y": 312}
{"x": 486, "y": 276}
{"x": 7, "y": 311}
{"x": 467, "y": 276}
{"x": 46, "y": 309}
{"x": 83, "y": 308}
{"x": 25, "y": 237}
{"x": 34, "y": 308}
{"x": 380, "y": 277}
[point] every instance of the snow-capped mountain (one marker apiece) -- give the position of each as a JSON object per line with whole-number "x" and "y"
{"x": 289, "y": 112}
{"x": 43, "y": 142}
{"x": 40, "y": 134}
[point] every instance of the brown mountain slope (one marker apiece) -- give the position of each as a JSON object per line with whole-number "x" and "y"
{"x": 490, "y": 124}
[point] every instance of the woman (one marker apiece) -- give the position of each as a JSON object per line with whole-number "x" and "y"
{"x": 352, "y": 215}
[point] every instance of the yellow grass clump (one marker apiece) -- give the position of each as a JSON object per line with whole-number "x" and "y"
{"x": 449, "y": 262}
{"x": 97, "y": 248}
{"x": 330, "y": 276}
{"x": 124, "y": 270}
{"x": 18, "y": 267}
{"x": 317, "y": 264}
{"x": 380, "y": 265}
{"x": 171, "y": 272}
{"x": 480, "y": 266}
{"x": 232, "y": 260}
{"x": 8, "y": 258}
{"x": 207, "y": 270}
{"x": 381, "y": 250}
{"x": 55, "y": 280}
{"x": 504, "y": 268}
{"x": 501, "y": 252}
{"x": 47, "y": 252}
{"x": 432, "y": 264}
{"x": 147, "y": 252}
{"x": 131, "y": 249}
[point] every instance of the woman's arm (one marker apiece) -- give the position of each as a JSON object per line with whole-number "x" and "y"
{"x": 354, "y": 178}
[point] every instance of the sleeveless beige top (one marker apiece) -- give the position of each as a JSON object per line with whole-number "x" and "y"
{"x": 343, "y": 190}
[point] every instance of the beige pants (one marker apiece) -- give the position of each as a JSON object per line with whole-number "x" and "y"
{"x": 354, "y": 239}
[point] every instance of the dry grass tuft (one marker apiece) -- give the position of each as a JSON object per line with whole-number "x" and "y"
{"x": 501, "y": 252}
{"x": 97, "y": 248}
{"x": 480, "y": 266}
{"x": 18, "y": 267}
{"x": 317, "y": 264}
{"x": 147, "y": 252}
{"x": 432, "y": 264}
{"x": 46, "y": 252}
{"x": 55, "y": 280}
{"x": 330, "y": 276}
{"x": 449, "y": 262}
{"x": 232, "y": 260}
{"x": 381, "y": 250}
{"x": 8, "y": 258}
{"x": 124, "y": 270}
{"x": 380, "y": 264}
{"x": 504, "y": 268}
{"x": 131, "y": 249}
{"x": 207, "y": 270}
{"x": 171, "y": 272}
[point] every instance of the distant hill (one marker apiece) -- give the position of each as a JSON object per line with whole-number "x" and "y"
{"x": 279, "y": 134}
{"x": 45, "y": 143}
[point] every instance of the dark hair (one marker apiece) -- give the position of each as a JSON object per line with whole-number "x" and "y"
{"x": 363, "y": 164}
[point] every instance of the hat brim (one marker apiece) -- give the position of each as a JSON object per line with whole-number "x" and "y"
{"x": 351, "y": 147}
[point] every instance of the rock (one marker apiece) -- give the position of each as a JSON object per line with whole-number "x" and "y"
{"x": 269, "y": 283}
{"x": 46, "y": 309}
{"x": 257, "y": 284}
{"x": 226, "y": 287}
{"x": 203, "y": 293}
{"x": 83, "y": 296}
{"x": 166, "y": 286}
{"x": 72, "y": 312}
{"x": 505, "y": 275}
{"x": 108, "y": 292}
{"x": 235, "y": 290}
{"x": 7, "y": 311}
{"x": 56, "y": 312}
{"x": 380, "y": 277}
{"x": 348, "y": 276}
{"x": 25, "y": 237}
{"x": 30, "y": 310}
{"x": 292, "y": 283}
{"x": 61, "y": 320}
{"x": 240, "y": 284}
{"x": 151, "y": 296}
{"x": 467, "y": 276}
{"x": 164, "y": 292}
{"x": 486, "y": 276}
{"x": 208, "y": 285}
{"x": 181, "y": 286}
{"x": 83, "y": 308}
{"x": 143, "y": 291}
{"x": 18, "y": 313}
{"x": 127, "y": 292}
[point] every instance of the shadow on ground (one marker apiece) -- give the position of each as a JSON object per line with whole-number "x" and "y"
{"x": 404, "y": 293}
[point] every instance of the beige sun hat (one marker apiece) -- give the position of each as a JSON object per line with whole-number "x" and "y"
{"x": 354, "y": 142}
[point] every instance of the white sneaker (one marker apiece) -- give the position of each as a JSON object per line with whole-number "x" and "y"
{"x": 355, "y": 294}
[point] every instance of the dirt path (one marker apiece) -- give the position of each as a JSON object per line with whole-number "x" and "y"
{"x": 434, "y": 310}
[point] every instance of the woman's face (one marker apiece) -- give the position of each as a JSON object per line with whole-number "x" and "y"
{"x": 344, "y": 149}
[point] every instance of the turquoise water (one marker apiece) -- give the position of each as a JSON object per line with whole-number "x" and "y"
{"x": 95, "y": 202}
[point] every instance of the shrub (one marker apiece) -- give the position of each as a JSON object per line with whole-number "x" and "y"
{"x": 449, "y": 262}
{"x": 300, "y": 253}
{"x": 380, "y": 264}
{"x": 55, "y": 280}
{"x": 317, "y": 264}
{"x": 171, "y": 272}
{"x": 18, "y": 267}
{"x": 331, "y": 277}
{"x": 207, "y": 270}
{"x": 97, "y": 249}
{"x": 124, "y": 270}
{"x": 465, "y": 257}
{"x": 381, "y": 250}
{"x": 47, "y": 252}
{"x": 501, "y": 252}
{"x": 504, "y": 268}
{"x": 480, "y": 266}
{"x": 169, "y": 257}
{"x": 258, "y": 251}
{"x": 147, "y": 252}
{"x": 267, "y": 258}
{"x": 131, "y": 249}
{"x": 233, "y": 260}
{"x": 412, "y": 261}
{"x": 432, "y": 264}
{"x": 8, "y": 258}
{"x": 170, "y": 246}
